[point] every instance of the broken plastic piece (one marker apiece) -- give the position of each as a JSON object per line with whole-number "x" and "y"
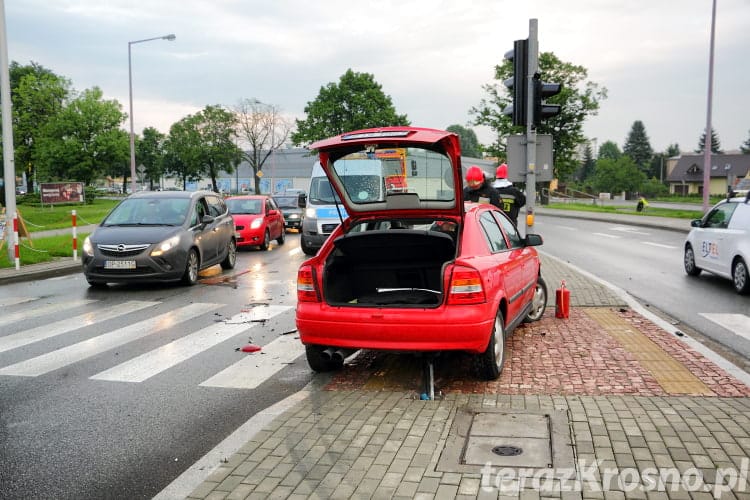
{"x": 251, "y": 348}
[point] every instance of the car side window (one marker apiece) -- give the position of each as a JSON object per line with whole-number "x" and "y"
{"x": 495, "y": 235}
{"x": 719, "y": 217}
{"x": 201, "y": 209}
{"x": 216, "y": 206}
{"x": 270, "y": 205}
{"x": 515, "y": 238}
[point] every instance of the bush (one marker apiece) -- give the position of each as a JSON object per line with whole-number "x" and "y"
{"x": 89, "y": 193}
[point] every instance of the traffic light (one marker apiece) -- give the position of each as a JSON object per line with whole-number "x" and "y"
{"x": 543, "y": 90}
{"x": 517, "y": 83}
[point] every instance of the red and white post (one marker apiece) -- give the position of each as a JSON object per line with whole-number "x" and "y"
{"x": 75, "y": 238}
{"x": 16, "y": 250}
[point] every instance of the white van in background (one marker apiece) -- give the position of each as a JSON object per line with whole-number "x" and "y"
{"x": 323, "y": 213}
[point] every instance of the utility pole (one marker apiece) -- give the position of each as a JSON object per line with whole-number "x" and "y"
{"x": 533, "y": 66}
{"x": 9, "y": 166}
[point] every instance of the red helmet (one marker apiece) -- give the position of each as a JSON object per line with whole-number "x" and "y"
{"x": 474, "y": 174}
{"x": 502, "y": 172}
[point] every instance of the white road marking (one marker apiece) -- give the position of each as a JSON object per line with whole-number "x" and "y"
{"x": 12, "y": 301}
{"x": 97, "y": 345}
{"x": 256, "y": 368}
{"x": 69, "y": 324}
{"x": 154, "y": 362}
{"x": 738, "y": 324}
{"x": 7, "y": 319}
{"x": 607, "y": 235}
{"x": 629, "y": 230}
{"x": 671, "y": 247}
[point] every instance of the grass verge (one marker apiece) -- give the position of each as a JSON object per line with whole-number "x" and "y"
{"x": 651, "y": 211}
{"x": 42, "y": 250}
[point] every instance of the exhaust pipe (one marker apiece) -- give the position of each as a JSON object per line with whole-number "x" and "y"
{"x": 339, "y": 355}
{"x": 327, "y": 354}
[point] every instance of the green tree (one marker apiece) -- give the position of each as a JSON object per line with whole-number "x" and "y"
{"x": 263, "y": 128}
{"x": 83, "y": 140}
{"x": 37, "y": 95}
{"x": 638, "y": 147}
{"x": 617, "y": 175}
{"x": 469, "y": 143}
{"x": 150, "y": 154}
{"x": 578, "y": 99}
{"x": 216, "y": 130}
{"x": 182, "y": 152}
{"x": 609, "y": 150}
{"x": 715, "y": 144}
{"x": 673, "y": 150}
{"x": 588, "y": 166}
{"x": 745, "y": 147}
{"x": 356, "y": 102}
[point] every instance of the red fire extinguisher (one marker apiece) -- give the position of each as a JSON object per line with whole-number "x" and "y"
{"x": 562, "y": 301}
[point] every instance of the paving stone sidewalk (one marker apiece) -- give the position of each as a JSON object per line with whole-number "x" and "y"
{"x": 642, "y": 414}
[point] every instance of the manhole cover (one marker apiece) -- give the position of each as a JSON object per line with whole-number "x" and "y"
{"x": 507, "y": 451}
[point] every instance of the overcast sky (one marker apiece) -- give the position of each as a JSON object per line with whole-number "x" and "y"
{"x": 431, "y": 56}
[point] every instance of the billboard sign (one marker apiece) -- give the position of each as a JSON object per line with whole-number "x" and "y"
{"x": 61, "y": 192}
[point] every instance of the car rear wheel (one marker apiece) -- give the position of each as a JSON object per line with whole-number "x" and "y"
{"x": 282, "y": 236}
{"x": 490, "y": 363}
{"x": 266, "y": 241}
{"x": 689, "y": 261}
{"x": 318, "y": 362}
{"x": 231, "y": 258}
{"x": 539, "y": 302}
{"x": 190, "y": 277}
{"x": 740, "y": 276}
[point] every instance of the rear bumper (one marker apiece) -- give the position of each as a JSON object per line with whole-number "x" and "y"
{"x": 458, "y": 328}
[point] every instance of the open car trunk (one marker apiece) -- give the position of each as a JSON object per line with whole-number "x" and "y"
{"x": 388, "y": 268}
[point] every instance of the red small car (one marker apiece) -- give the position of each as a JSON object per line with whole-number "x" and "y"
{"x": 414, "y": 268}
{"x": 257, "y": 220}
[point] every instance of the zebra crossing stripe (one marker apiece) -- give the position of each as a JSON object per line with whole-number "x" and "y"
{"x": 253, "y": 370}
{"x": 739, "y": 324}
{"x": 153, "y": 362}
{"x": 69, "y": 324}
{"x": 97, "y": 345}
{"x": 7, "y": 319}
{"x": 12, "y": 301}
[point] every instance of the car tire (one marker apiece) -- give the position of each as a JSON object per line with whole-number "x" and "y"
{"x": 231, "y": 258}
{"x": 266, "y": 241}
{"x": 539, "y": 302}
{"x": 192, "y": 264}
{"x": 689, "y": 260}
{"x": 282, "y": 237}
{"x": 317, "y": 362}
{"x": 306, "y": 249}
{"x": 490, "y": 363}
{"x": 740, "y": 276}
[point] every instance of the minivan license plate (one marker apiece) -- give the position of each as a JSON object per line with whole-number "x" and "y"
{"x": 119, "y": 264}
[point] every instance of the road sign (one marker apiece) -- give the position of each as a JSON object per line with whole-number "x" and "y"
{"x": 517, "y": 166}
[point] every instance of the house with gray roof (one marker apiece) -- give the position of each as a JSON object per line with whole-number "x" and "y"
{"x": 685, "y": 176}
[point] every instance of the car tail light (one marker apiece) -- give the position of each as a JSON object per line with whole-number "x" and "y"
{"x": 306, "y": 291}
{"x": 465, "y": 286}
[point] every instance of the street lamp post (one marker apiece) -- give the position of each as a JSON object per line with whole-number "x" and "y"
{"x": 169, "y": 37}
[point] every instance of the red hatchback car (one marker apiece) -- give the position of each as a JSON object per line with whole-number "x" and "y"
{"x": 257, "y": 220}
{"x": 414, "y": 268}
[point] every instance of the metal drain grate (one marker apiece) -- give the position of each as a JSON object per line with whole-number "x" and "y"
{"x": 507, "y": 451}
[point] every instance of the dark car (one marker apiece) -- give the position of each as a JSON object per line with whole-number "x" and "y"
{"x": 293, "y": 208}
{"x": 160, "y": 236}
{"x": 411, "y": 267}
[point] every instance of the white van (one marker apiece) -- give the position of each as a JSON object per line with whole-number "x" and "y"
{"x": 324, "y": 209}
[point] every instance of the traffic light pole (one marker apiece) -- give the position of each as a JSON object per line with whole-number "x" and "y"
{"x": 533, "y": 52}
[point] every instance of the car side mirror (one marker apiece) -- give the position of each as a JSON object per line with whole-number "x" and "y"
{"x": 695, "y": 223}
{"x": 208, "y": 219}
{"x": 533, "y": 240}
